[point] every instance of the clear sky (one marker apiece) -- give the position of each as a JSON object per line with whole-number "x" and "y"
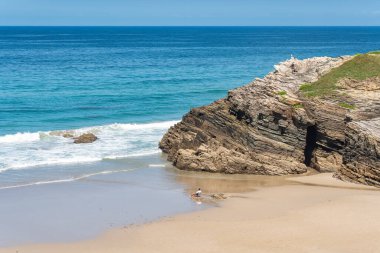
{"x": 189, "y": 12}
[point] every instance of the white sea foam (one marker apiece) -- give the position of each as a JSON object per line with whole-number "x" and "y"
{"x": 116, "y": 141}
{"x": 19, "y": 138}
{"x": 157, "y": 165}
{"x": 67, "y": 180}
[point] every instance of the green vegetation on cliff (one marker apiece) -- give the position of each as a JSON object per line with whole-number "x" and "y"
{"x": 347, "y": 105}
{"x": 297, "y": 106}
{"x": 359, "y": 68}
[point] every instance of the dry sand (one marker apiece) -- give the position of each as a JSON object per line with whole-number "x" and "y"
{"x": 320, "y": 215}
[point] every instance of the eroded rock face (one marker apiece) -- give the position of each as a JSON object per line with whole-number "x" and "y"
{"x": 267, "y": 127}
{"x": 362, "y": 153}
{"x": 85, "y": 138}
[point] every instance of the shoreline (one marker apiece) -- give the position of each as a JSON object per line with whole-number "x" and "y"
{"x": 317, "y": 214}
{"x": 83, "y": 209}
{"x": 70, "y": 211}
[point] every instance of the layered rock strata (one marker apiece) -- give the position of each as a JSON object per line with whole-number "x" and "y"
{"x": 269, "y": 127}
{"x": 361, "y": 160}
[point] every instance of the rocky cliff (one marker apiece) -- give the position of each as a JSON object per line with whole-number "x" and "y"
{"x": 315, "y": 113}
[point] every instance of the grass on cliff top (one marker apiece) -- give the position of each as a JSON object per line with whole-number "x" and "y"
{"x": 360, "y": 67}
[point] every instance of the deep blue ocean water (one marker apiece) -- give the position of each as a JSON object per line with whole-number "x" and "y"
{"x": 71, "y": 77}
{"x": 129, "y": 84}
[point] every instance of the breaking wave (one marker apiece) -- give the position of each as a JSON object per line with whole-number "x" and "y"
{"x": 116, "y": 141}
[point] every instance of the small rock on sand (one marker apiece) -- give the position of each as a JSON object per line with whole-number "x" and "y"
{"x": 218, "y": 196}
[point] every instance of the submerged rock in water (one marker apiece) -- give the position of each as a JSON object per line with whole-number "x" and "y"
{"x": 278, "y": 126}
{"x": 65, "y": 133}
{"x": 68, "y": 135}
{"x": 85, "y": 138}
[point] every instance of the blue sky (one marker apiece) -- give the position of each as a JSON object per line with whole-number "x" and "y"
{"x": 189, "y": 12}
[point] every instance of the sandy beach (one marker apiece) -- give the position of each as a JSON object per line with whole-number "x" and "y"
{"x": 314, "y": 213}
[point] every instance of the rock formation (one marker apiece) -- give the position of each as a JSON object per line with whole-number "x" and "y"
{"x": 361, "y": 157}
{"x": 271, "y": 127}
{"x": 70, "y": 134}
{"x": 85, "y": 138}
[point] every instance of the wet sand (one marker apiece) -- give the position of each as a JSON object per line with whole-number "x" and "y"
{"x": 142, "y": 189}
{"x": 315, "y": 214}
{"x": 83, "y": 209}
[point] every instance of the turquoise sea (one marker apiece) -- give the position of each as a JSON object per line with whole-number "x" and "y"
{"x": 129, "y": 84}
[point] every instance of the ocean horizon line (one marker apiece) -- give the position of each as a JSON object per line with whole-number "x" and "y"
{"x": 200, "y": 26}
